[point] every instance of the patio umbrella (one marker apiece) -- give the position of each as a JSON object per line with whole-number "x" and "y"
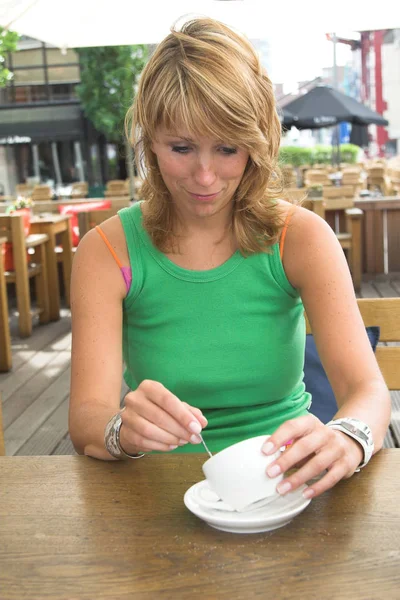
{"x": 324, "y": 106}
{"x": 286, "y": 118}
{"x": 80, "y": 23}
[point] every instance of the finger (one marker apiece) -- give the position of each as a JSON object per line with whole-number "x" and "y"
{"x": 298, "y": 452}
{"x": 144, "y": 429}
{"x": 169, "y": 403}
{"x": 198, "y": 414}
{"x": 313, "y": 468}
{"x": 290, "y": 430}
{"x": 140, "y": 403}
{"x": 334, "y": 474}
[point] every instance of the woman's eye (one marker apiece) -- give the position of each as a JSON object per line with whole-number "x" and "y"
{"x": 180, "y": 149}
{"x": 228, "y": 150}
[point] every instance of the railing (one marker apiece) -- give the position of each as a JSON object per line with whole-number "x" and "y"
{"x": 380, "y": 234}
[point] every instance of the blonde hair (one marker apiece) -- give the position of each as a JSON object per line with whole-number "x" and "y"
{"x": 209, "y": 79}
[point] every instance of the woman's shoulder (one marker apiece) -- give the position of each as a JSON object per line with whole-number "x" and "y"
{"x": 309, "y": 241}
{"x": 113, "y": 233}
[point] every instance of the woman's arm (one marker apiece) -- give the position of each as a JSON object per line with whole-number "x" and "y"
{"x": 97, "y": 292}
{"x": 315, "y": 264}
{"x": 153, "y": 419}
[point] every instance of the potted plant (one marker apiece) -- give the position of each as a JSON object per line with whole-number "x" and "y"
{"x": 315, "y": 191}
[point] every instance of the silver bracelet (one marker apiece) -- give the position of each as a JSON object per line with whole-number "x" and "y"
{"x": 111, "y": 439}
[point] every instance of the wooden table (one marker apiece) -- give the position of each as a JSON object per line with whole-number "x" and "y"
{"x": 77, "y": 528}
{"x": 56, "y": 225}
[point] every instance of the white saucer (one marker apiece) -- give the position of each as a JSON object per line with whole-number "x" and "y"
{"x": 275, "y": 514}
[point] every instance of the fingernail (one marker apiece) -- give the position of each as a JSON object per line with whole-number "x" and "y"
{"x": 308, "y": 493}
{"x": 183, "y": 442}
{"x": 284, "y": 487}
{"x": 173, "y": 447}
{"x": 195, "y": 427}
{"x": 268, "y": 447}
{"x": 194, "y": 439}
{"x": 274, "y": 471}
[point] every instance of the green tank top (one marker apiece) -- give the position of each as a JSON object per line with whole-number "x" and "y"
{"x": 229, "y": 340}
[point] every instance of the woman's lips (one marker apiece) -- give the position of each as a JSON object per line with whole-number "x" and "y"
{"x": 204, "y": 197}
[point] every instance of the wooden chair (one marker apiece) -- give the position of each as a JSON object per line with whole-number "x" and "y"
{"x": 24, "y": 189}
{"x": 91, "y": 218}
{"x": 116, "y": 187}
{"x": 41, "y": 193}
{"x": 5, "y": 339}
{"x": 295, "y": 195}
{"x": 350, "y": 240}
{"x": 79, "y": 190}
{"x": 384, "y": 313}
{"x": 316, "y": 177}
{"x": 11, "y": 228}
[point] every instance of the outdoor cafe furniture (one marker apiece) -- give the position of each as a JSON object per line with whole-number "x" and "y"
{"x": 88, "y": 219}
{"x": 116, "y": 187}
{"x": 79, "y": 189}
{"x": 76, "y": 527}
{"x": 315, "y": 177}
{"x": 5, "y": 340}
{"x": 57, "y": 229}
{"x": 41, "y": 193}
{"x": 12, "y": 228}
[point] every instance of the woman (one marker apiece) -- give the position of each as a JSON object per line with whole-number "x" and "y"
{"x": 201, "y": 288}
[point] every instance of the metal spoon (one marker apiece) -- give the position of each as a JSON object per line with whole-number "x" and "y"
{"x": 204, "y": 444}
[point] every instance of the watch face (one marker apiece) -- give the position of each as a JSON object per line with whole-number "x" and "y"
{"x": 356, "y": 431}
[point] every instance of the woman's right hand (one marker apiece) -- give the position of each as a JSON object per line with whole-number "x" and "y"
{"x": 155, "y": 419}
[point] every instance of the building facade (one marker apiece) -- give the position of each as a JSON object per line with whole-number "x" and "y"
{"x": 44, "y": 136}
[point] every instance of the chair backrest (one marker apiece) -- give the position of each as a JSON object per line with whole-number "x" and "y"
{"x": 316, "y": 177}
{"x": 338, "y": 191}
{"x": 24, "y": 189}
{"x": 116, "y": 187}
{"x": 295, "y": 195}
{"x": 41, "y": 192}
{"x": 79, "y": 189}
{"x": 384, "y": 313}
{"x": 91, "y": 218}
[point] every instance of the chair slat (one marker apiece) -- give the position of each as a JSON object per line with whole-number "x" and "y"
{"x": 384, "y": 312}
{"x": 389, "y": 363}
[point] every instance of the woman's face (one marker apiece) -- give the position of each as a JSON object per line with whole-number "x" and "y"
{"x": 201, "y": 174}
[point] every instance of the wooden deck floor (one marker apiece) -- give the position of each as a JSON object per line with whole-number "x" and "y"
{"x": 35, "y": 393}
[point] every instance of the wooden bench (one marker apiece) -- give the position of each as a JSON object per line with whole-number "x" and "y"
{"x": 384, "y": 313}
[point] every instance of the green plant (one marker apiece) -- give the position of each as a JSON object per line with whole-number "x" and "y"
{"x": 8, "y": 43}
{"x": 18, "y": 204}
{"x": 349, "y": 153}
{"x": 297, "y": 156}
{"x": 108, "y": 78}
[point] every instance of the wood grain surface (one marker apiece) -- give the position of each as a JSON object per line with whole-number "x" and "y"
{"x": 77, "y": 528}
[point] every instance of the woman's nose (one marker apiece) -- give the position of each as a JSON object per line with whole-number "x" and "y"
{"x": 204, "y": 173}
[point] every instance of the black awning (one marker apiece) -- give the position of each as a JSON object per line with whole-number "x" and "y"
{"x": 41, "y": 124}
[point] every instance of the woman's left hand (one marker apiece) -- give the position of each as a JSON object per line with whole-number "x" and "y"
{"x": 315, "y": 448}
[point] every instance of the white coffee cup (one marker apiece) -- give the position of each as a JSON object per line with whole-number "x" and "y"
{"x": 238, "y": 473}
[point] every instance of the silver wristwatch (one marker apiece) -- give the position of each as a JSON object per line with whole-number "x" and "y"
{"x": 111, "y": 439}
{"x": 360, "y": 432}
